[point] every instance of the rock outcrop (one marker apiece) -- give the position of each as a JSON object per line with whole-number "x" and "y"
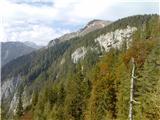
{"x": 78, "y": 54}
{"x": 115, "y": 38}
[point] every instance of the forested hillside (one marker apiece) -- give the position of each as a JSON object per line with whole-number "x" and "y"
{"x": 89, "y": 77}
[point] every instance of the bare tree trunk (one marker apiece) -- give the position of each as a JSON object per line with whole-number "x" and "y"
{"x": 131, "y": 91}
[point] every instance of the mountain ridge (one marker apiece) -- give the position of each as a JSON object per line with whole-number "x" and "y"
{"x": 89, "y": 27}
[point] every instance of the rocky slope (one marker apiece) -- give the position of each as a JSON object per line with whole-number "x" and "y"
{"x": 109, "y": 40}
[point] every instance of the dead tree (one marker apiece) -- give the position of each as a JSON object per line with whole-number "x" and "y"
{"x": 131, "y": 90}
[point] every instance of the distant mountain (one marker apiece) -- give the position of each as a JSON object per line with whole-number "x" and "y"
{"x": 13, "y": 50}
{"x": 32, "y": 45}
{"x": 91, "y": 26}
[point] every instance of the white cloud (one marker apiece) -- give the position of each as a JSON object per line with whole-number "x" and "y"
{"x": 26, "y": 20}
{"x": 91, "y": 8}
{"x": 16, "y": 11}
{"x": 72, "y": 9}
{"x": 39, "y": 34}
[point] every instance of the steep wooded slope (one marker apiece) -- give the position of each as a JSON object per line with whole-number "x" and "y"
{"x": 82, "y": 79}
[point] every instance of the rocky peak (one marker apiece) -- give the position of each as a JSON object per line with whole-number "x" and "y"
{"x": 91, "y": 26}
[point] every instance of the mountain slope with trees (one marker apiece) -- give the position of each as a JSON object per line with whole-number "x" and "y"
{"x": 97, "y": 86}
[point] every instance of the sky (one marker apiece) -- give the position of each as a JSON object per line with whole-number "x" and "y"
{"x": 40, "y": 21}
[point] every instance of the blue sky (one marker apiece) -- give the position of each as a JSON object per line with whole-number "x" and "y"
{"x": 40, "y": 21}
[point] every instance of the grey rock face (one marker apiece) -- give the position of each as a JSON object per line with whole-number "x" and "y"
{"x": 9, "y": 87}
{"x": 78, "y": 54}
{"x": 26, "y": 101}
{"x": 9, "y": 91}
{"x": 115, "y": 38}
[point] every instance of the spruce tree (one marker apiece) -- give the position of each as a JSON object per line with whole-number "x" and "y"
{"x": 19, "y": 109}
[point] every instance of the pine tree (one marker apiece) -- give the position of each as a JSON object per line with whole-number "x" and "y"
{"x": 123, "y": 84}
{"x": 34, "y": 99}
{"x": 19, "y": 109}
{"x": 149, "y": 86}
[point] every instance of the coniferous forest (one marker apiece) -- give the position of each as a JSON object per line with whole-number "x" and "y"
{"x": 98, "y": 86}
